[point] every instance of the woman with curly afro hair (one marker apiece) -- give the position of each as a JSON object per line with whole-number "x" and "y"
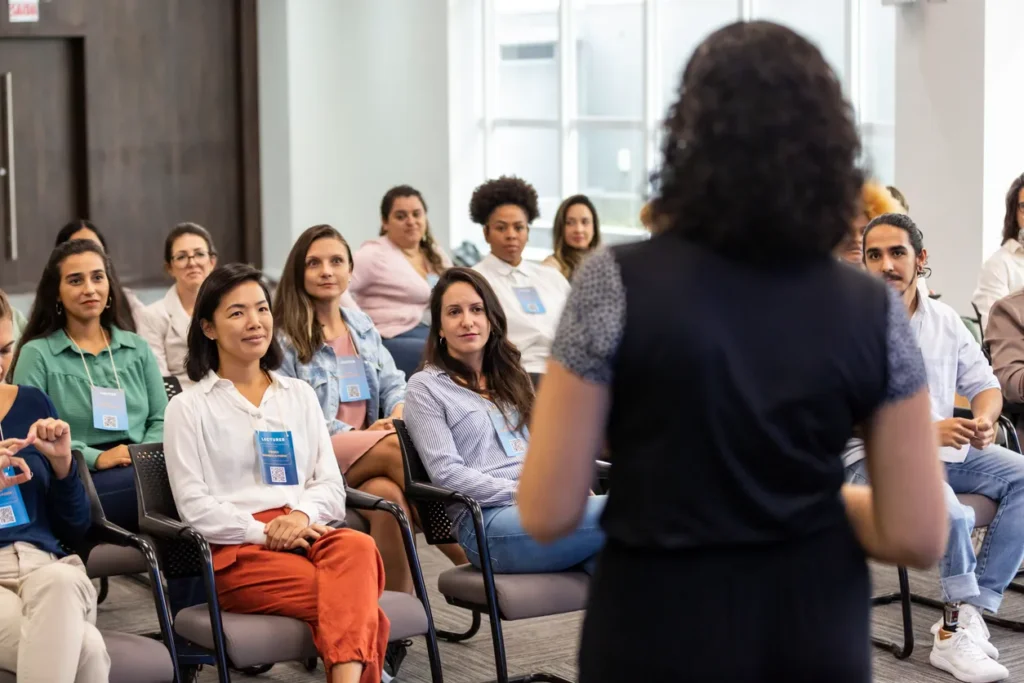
{"x": 531, "y": 295}
{"x": 725, "y": 362}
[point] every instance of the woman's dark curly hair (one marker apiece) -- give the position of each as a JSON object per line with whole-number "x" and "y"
{"x": 502, "y": 191}
{"x": 1011, "y": 227}
{"x": 759, "y": 159}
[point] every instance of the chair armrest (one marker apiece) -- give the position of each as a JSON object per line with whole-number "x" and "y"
{"x": 360, "y": 500}
{"x": 105, "y": 531}
{"x": 431, "y": 492}
{"x": 163, "y": 526}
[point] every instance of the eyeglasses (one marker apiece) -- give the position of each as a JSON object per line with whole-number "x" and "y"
{"x": 182, "y": 259}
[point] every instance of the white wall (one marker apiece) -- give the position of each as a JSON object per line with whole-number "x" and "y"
{"x": 1004, "y": 112}
{"x": 940, "y": 99}
{"x": 353, "y": 100}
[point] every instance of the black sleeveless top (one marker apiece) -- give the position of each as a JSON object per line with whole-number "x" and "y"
{"x": 734, "y": 388}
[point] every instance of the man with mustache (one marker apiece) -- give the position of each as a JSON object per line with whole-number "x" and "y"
{"x": 894, "y": 250}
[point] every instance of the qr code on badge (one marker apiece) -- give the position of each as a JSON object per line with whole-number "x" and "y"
{"x": 518, "y": 446}
{"x": 277, "y": 475}
{"x": 110, "y": 421}
{"x": 6, "y": 515}
{"x": 353, "y": 391}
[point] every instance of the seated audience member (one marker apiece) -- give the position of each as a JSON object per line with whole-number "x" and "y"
{"x": 1003, "y": 272}
{"x": 577, "y": 232}
{"x": 252, "y": 469}
{"x": 1005, "y": 339}
{"x": 875, "y": 201}
{"x": 339, "y": 353}
{"x": 894, "y": 249}
{"x": 467, "y": 411}
{"x": 898, "y": 196}
{"x": 392, "y": 275}
{"x": 132, "y": 308}
{"x": 189, "y": 256}
{"x": 103, "y": 379}
{"x": 47, "y": 603}
{"x": 531, "y": 295}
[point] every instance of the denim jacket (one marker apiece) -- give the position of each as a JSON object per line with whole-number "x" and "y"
{"x": 386, "y": 382}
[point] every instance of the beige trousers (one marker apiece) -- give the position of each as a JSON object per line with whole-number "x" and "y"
{"x": 48, "y": 619}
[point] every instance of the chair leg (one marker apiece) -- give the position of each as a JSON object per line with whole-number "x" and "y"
{"x": 104, "y": 589}
{"x": 905, "y": 597}
{"x": 451, "y": 637}
{"x": 991, "y": 619}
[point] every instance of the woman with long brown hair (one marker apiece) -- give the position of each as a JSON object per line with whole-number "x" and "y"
{"x": 395, "y": 273}
{"x": 577, "y": 233}
{"x": 468, "y": 411}
{"x": 1003, "y": 272}
{"x": 339, "y": 352}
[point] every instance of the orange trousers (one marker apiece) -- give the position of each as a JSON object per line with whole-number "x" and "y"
{"x": 335, "y": 589}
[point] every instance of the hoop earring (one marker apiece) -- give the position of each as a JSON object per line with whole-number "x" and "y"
{"x": 110, "y": 300}
{"x": 60, "y": 309}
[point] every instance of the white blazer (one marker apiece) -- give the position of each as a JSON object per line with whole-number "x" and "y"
{"x": 164, "y": 326}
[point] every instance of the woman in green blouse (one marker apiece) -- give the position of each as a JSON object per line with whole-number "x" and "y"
{"x": 104, "y": 381}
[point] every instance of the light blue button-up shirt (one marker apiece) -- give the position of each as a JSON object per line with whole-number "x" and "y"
{"x": 954, "y": 362}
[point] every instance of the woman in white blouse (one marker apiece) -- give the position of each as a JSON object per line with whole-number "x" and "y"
{"x": 189, "y": 256}
{"x": 1003, "y": 272}
{"x": 252, "y": 468}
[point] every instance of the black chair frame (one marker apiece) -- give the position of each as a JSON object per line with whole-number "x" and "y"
{"x": 188, "y": 554}
{"x": 172, "y": 386}
{"x": 907, "y": 598}
{"x": 431, "y": 503}
{"x": 104, "y": 531}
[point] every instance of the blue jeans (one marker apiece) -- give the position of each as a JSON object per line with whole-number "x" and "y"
{"x": 996, "y": 473}
{"x": 513, "y": 551}
{"x": 116, "y": 490}
{"x": 407, "y": 348}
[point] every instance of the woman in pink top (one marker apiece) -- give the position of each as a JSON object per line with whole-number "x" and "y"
{"x": 339, "y": 352}
{"x": 393, "y": 275}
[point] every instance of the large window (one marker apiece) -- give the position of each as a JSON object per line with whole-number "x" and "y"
{"x": 573, "y": 92}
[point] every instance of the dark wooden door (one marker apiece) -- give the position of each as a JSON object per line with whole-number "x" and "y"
{"x": 41, "y": 152}
{"x": 167, "y": 130}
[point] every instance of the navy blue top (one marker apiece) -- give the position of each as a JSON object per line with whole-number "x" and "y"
{"x": 57, "y": 508}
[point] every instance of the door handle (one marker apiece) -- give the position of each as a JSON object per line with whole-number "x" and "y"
{"x": 7, "y": 169}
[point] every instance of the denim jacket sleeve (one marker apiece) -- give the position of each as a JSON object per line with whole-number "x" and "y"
{"x": 392, "y": 380}
{"x": 290, "y": 367}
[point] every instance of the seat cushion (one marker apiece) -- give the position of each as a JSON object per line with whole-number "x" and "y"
{"x": 984, "y": 508}
{"x": 520, "y": 596}
{"x": 406, "y": 614}
{"x": 135, "y": 659}
{"x": 250, "y": 639}
{"x": 115, "y": 560}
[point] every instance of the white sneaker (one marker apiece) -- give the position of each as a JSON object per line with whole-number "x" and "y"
{"x": 961, "y": 656}
{"x": 973, "y": 622}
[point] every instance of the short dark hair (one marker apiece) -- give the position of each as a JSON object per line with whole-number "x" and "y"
{"x": 903, "y": 222}
{"x": 74, "y": 226}
{"x": 507, "y": 383}
{"x": 1011, "y": 227}
{"x": 760, "y": 151}
{"x": 202, "y": 351}
{"x": 47, "y": 317}
{"x": 187, "y": 229}
{"x": 501, "y": 192}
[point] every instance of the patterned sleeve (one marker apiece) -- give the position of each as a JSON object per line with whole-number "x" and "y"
{"x": 906, "y": 374}
{"x": 593, "y": 320}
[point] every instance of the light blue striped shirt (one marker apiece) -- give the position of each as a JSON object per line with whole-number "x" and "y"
{"x": 457, "y": 441}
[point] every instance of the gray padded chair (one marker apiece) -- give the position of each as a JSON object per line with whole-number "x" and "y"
{"x": 133, "y": 659}
{"x": 503, "y": 597}
{"x": 254, "y": 642}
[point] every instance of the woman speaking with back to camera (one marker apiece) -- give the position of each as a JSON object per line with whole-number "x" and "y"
{"x": 727, "y": 506}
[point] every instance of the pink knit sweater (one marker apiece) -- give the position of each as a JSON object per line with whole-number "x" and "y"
{"x": 388, "y": 288}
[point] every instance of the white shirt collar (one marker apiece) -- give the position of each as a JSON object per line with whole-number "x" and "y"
{"x": 505, "y": 269}
{"x": 1012, "y": 246}
{"x": 212, "y": 380}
